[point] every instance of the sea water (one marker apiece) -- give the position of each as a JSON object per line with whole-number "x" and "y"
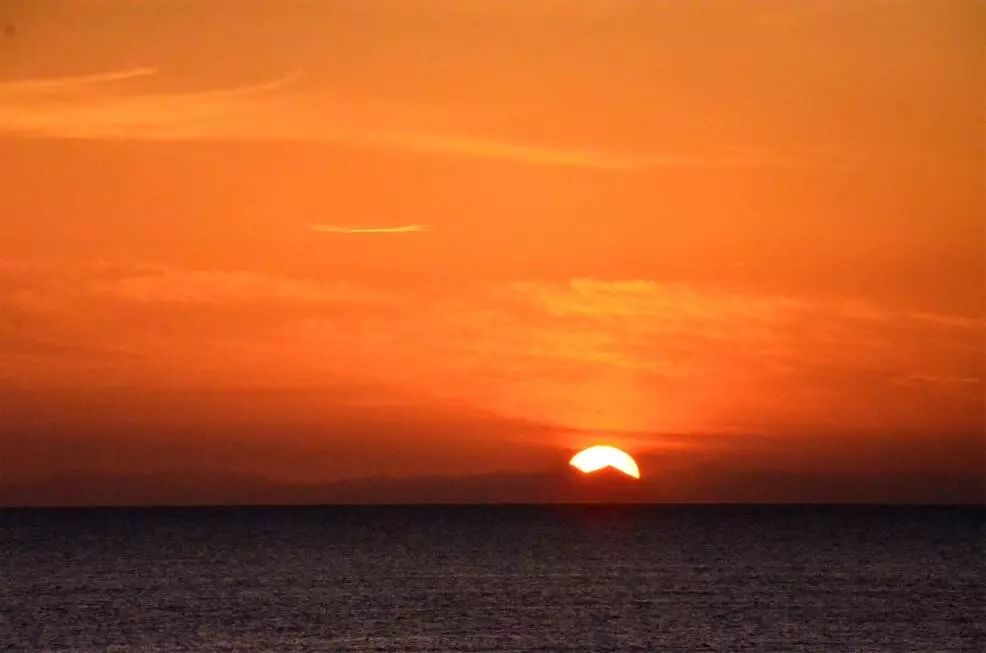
{"x": 494, "y": 578}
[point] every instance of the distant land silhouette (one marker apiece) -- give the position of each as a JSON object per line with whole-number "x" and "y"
{"x": 74, "y": 488}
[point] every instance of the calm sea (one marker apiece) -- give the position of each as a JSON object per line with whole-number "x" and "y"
{"x": 522, "y": 578}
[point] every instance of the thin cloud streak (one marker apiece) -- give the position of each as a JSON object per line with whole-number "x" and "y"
{"x": 68, "y": 83}
{"x": 346, "y": 229}
{"x": 57, "y": 107}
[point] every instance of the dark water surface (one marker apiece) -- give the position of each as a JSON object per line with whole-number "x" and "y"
{"x": 573, "y": 578}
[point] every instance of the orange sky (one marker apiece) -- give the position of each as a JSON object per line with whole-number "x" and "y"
{"x": 313, "y": 241}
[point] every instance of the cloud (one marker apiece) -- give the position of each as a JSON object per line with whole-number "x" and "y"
{"x": 38, "y": 285}
{"x": 295, "y": 377}
{"x": 802, "y": 361}
{"x": 626, "y": 355}
{"x": 44, "y": 85}
{"x": 802, "y": 329}
{"x": 587, "y": 355}
{"x": 166, "y": 323}
{"x": 88, "y": 107}
{"x": 489, "y": 148}
{"x": 642, "y": 299}
{"x": 110, "y": 106}
{"x": 341, "y": 229}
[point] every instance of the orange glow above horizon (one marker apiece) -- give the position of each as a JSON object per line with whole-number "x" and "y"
{"x": 347, "y": 240}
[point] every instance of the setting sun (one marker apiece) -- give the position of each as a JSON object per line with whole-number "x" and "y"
{"x": 596, "y": 458}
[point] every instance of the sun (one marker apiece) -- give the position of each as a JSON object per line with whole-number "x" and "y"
{"x": 600, "y": 456}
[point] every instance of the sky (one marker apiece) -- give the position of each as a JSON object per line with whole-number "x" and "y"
{"x": 371, "y": 251}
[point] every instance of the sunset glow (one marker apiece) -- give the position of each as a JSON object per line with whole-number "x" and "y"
{"x": 276, "y": 245}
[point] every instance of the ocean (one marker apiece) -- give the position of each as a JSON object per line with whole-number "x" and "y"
{"x": 494, "y": 578}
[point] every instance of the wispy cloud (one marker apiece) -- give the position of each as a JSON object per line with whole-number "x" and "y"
{"x": 349, "y": 229}
{"x": 587, "y": 353}
{"x": 98, "y": 106}
{"x": 25, "y": 87}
